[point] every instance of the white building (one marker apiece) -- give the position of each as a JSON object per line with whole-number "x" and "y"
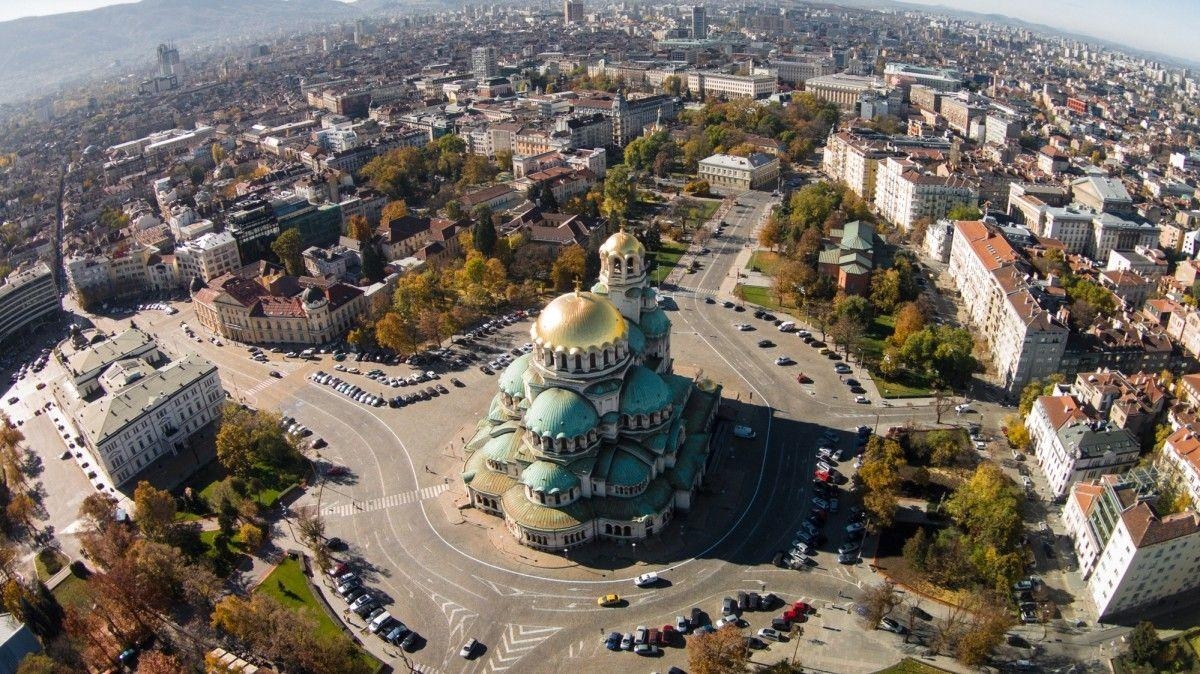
{"x": 941, "y": 79}
{"x": 1180, "y": 460}
{"x": 904, "y": 195}
{"x": 1070, "y": 225}
{"x": 207, "y": 257}
{"x": 1072, "y": 446}
{"x": 1025, "y": 341}
{"x": 842, "y": 89}
{"x": 1132, "y": 558}
{"x": 854, "y": 160}
{"x": 27, "y": 296}
{"x": 708, "y": 83}
{"x": 726, "y": 171}
{"x": 130, "y": 403}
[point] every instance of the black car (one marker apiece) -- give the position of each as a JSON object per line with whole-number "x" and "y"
{"x": 765, "y": 343}
{"x": 335, "y": 543}
{"x": 739, "y": 308}
{"x": 727, "y": 304}
{"x": 709, "y": 300}
{"x": 852, "y": 382}
{"x": 759, "y": 313}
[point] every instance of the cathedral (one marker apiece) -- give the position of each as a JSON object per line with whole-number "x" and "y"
{"x": 591, "y": 435}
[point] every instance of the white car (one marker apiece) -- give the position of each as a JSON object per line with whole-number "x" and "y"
{"x": 963, "y": 408}
{"x": 862, "y": 400}
{"x": 770, "y": 633}
{"x": 646, "y": 579}
{"x": 744, "y": 327}
{"x": 784, "y": 360}
{"x": 744, "y": 432}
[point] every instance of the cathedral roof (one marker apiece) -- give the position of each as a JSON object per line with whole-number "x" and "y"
{"x": 560, "y": 413}
{"x": 654, "y": 323}
{"x": 548, "y": 477}
{"x": 512, "y": 380}
{"x": 623, "y": 243}
{"x": 579, "y": 320}
{"x": 644, "y": 393}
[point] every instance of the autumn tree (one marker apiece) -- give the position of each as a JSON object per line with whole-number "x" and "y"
{"x": 880, "y": 474}
{"x": 909, "y": 320}
{"x": 569, "y": 267}
{"x": 396, "y": 209}
{"x": 393, "y": 332}
{"x": 288, "y": 247}
{"x": 158, "y": 662}
{"x": 619, "y": 193}
{"x": 153, "y": 511}
{"x": 483, "y": 231}
{"x": 879, "y": 600}
{"x": 251, "y": 535}
{"x": 721, "y": 652}
{"x": 989, "y": 621}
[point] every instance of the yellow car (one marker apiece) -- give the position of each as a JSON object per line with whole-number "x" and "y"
{"x": 609, "y": 600}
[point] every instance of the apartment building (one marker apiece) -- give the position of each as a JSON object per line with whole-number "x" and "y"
{"x": 710, "y": 83}
{"x": 1132, "y": 558}
{"x": 1133, "y": 402}
{"x": 854, "y": 160}
{"x": 1179, "y": 460}
{"x": 1025, "y": 340}
{"x": 131, "y": 403}
{"x": 207, "y": 257}
{"x": 755, "y": 172}
{"x": 904, "y": 195}
{"x": 1072, "y": 445}
{"x": 27, "y": 297}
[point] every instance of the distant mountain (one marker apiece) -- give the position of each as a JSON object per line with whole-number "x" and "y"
{"x": 41, "y": 52}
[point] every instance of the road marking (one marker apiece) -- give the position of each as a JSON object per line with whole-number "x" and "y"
{"x": 392, "y": 501}
{"x": 516, "y": 642}
{"x": 457, "y": 615}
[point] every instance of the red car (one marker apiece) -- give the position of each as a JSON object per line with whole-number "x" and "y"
{"x": 338, "y": 570}
{"x": 802, "y": 378}
{"x": 802, "y": 607}
{"x": 666, "y": 635}
{"x": 822, "y": 475}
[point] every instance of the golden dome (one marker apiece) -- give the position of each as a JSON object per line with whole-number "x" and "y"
{"x": 579, "y": 320}
{"x": 622, "y": 243}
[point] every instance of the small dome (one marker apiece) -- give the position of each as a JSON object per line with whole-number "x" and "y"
{"x": 579, "y": 320}
{"x": 512, "y": 380}
{"x": 560, "y": 413}
{"x": 645, "y": 392}
{"x": 637, "y": 340}
{"x": 600, "y": 288}
{"x": 548, "y": 477}
{"x": 626, "y": 470}
{"x": 313, "y": 295}
{"x": 654, "y": 323}
{"x": 622, "y": 243}
{"x": 497, "y": 448}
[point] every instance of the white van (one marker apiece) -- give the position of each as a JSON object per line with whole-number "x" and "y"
{"x": 787, "y": 326}
{"x": 379, "y": 621}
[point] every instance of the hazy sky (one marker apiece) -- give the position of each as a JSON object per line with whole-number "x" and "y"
{"x": 1166, "y": 26}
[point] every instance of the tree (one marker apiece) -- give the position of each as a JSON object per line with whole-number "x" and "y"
{"x": 312, "y": 529}
{"x": 251, "y": 535}
{"x": 885, "y": 290}
{"x": 985, "y": 630}
{"x": 569, "y": 267}
{"x": 770, "y": 235}
{"x": 672, "y": 85}
{"x": 395, "y": 173}
{"x": 157, "y": 662}
{"x": 153, "y": 511}
{"x": 1143, "y": 643}
{"x": 619, "y": 193}
{"x": 483, "y": 233}
{"x": 373, "y": 268}
{"x": 393, "y": 332}
{"x": 234, "y": 449}
{"x": 357, "y": 228}
{"x": 880, "y": 474}
{"x": 1016, "y": 433}
{"x": 218, "y": 153}
{"x": 909, "y": 320}
{"x": 916, "y": 549}
{"x": 38, "y": 663}
{"x": 721, "y": 652}
{"x": 879, "y": 600}
{"x": 476, "y": 169}
{"x": 287, "y": 246}
{"x": 964, "y": 212}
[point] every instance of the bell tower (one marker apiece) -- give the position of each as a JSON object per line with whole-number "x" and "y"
{"x": 623, "y": 272}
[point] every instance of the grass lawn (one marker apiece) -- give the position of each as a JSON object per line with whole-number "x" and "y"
{"x": 764, "y": 261}
{"x": 665, "y": 259}
{"x": 72, "y": 592}
{"x": 873, "y": 341}
{"x": 288, "y": 585}
{"x": 911, "y": 666}
{"x": 757, "y": 295}
{"x": 48, "y": 562}
{"x": 705, "y": 208}
{"x": 271, "y": 483}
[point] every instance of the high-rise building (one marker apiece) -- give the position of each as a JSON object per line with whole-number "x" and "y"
{"x": 168, "y": 58}
{"x": 699, "y": 22}
{"x": 572, "y": 11}
{"x": 483, "y": 63}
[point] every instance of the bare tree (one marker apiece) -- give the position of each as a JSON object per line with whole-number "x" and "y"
{"x": 879, "y": 600}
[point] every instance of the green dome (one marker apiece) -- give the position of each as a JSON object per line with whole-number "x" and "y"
{"x": 512, "y": 380}
{"x": 626, "y": 470}
{"x": 560, "y": 413}
{"x": 637, "y": 340}
{"x": 645, "y": 392}
{"x": 548, "y": 477}
{"x": 496, "y": 449}
{"x": 655, "y": 323}
{"x": 600, "y": 288}
{"x": 648, "y": 292}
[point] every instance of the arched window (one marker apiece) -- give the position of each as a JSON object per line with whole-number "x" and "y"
{"x": 627, "y": 531}
{"x": 592, "y": 359}
{"x": 608, "y": 528}
{"x": 578, "y": 362}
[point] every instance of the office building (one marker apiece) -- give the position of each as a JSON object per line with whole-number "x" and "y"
{"x": 131, "y": 403}
{"x": 278, "y": 309}
{"x": 709, "y": 83}
{"x": 842, "y": 89}
{"x": 207, "y": 257}
{"x": 27, "y": 297}
{"x": 699, "y": 22}
{"x": 572, "y": 12}
{"x": 1072, "y": 445}
{"x": 758, "y": 171}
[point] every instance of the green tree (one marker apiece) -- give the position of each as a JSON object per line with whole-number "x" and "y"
{"x": 672, "y": 85}
{"x": 569, "y": 267}
{"x": 287, "y": 246}
{"x": 964, "y": 212}
{"x": 396, "y": 173}
{"x": 373, "y": 267}
{"x": 880, "y": 475}
{"x": 483, "y": 233}
{"x": 916, "y": 550}
{"x": 619, "y": 194}
{"x": 885, "y": 290}
{"x": 1144, "y": 645}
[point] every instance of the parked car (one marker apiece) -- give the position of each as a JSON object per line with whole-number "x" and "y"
{"x": 468, "y": 649}
{"x": 744, "y": 432}
{"x": 892, "y": 626}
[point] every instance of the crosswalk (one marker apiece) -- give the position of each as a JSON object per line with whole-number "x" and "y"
{"x": 392, "y": 501}
{"x": 516, "y": 642}
{"x": 259, "y": 387}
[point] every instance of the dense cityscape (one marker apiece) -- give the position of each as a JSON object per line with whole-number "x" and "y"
{"x": 533, "y": 338}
